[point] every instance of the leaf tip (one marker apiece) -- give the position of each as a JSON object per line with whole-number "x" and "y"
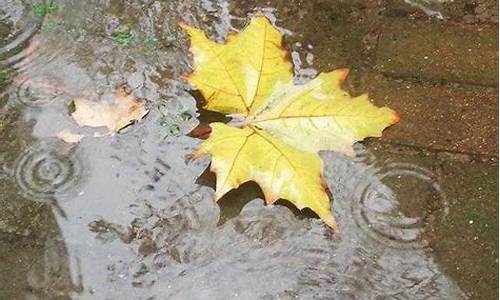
{"x": 269, "y": 196}
{"x": 183, "y": 25}
{"x": 217, "y": 197}
{"x": 397, "y": 117}
{"x": 187, "y": 76}
{"x": 323, "y": 183}
{"x": 330, "y": 221}
{"x": 343, "y": 73}
{"x": 190, "y": 30}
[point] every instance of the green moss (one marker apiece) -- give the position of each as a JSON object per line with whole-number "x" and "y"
{"x": 186, "y": 116}
{"x": 126, "y": 37}
{"x": 122, "y": 37}
{"x": 43, "y": 8}
{"x": 174, "y": 129}
{"x": 5, "y": 76}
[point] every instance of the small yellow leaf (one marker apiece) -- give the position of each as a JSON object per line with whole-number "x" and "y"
{"x": 285, "y": 125}
{"x": 124, "y": 110}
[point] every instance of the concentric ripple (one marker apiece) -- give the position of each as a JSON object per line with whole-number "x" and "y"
{"x": 45, "y": 169}
{"x": 17, "y": 28}
{"x": 37, "y": 92}
{"x": 394, "y": 205}
{"x": 363, "y": 155}
{"x": 17, "y": 25}
{"x": 27, "y": 55}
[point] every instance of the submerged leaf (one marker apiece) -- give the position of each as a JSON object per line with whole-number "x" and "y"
{"x": 124, "y": 110}
{"x": 285, "y": 125}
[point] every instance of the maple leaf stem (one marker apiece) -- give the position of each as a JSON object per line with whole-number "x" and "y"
{"x": 237, "y": 120}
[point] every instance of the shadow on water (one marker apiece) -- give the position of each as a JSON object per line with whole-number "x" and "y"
{"x": 129, "y": 216}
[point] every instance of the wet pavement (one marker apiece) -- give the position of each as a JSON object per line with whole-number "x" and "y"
{"x": 129, "y": 216}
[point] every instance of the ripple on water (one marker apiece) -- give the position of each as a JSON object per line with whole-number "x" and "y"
{"x": 394, "y": 204}
{"x": 17, "y": 26}
{"x": 25, "y": 54}
{"x": 37, "y": 92}
{"x": 47, "y": 168}
{"x": 35, "y": 84}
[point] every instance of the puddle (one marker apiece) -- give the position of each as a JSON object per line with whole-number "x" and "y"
{"x": 431, "y": 8}
{"x": 124, "y": 217}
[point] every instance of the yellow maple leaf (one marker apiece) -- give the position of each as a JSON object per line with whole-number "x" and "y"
{"x": 285, "y": 125}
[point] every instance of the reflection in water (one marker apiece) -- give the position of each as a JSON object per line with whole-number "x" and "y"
{"x": 140, "y": 227}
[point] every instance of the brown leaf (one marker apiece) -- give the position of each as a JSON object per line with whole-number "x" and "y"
{"x": 124, "y": 110}
{"x": 69, "y": 137}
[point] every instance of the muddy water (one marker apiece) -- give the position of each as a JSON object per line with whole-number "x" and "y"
{"x": 127, "y": 216}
